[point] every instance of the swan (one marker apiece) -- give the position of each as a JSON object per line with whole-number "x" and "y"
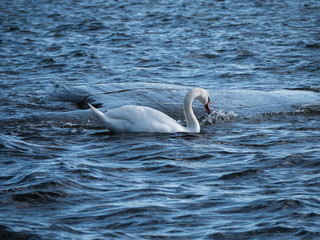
{"x": 132, "y": 118}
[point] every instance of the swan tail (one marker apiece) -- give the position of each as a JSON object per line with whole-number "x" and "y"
{"x": 103, "y": 118}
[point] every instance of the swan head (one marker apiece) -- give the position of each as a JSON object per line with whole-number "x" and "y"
{"x": 201, "y": 95}
{"x": 204, "y": 98}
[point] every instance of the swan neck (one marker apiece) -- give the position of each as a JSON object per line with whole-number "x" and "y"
{"x": 192, "y": 122}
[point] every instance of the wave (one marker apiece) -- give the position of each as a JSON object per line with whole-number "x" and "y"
{"x": 67, "y": 106}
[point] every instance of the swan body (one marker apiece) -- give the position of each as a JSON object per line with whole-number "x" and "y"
{"x": 132, "y": 118}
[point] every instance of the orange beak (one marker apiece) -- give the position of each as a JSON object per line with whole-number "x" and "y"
{"x": 207, "y": 107}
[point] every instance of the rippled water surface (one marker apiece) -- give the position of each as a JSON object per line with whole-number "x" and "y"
{"x": 251, "y": 173}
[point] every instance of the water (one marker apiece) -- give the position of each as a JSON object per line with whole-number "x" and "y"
{"x": 252, "y": 172}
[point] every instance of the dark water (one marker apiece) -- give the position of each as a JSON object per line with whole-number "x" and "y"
{"x": 252, "y": 172}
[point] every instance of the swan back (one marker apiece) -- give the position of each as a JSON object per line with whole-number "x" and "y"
{"x": 132, "y": 118}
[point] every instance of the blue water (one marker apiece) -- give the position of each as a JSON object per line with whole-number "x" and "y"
{"x": 251, "y": 173}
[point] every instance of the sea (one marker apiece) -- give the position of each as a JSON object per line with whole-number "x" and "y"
{"x": 253, "y": 171}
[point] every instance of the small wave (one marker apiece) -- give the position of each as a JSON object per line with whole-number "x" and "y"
{"x": 311, "y": 89}
{"x": 38, "y": 197}
{"x": 263, "y": 233}
{"x": 242, "y": 174}
{"x": 8, "y": 233}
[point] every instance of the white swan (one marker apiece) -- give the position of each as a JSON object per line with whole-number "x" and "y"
{"x": 144, "y": 119}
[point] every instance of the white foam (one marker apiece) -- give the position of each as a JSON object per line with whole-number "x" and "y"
{"x": 220, "y": 116}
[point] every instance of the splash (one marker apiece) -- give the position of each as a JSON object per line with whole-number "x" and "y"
{"x": 220, "y": 116}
